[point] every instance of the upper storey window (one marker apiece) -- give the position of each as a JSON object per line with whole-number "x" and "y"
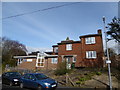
{"x": 91, "y": 54}
{"x": 56, "y": 49}
{"x": 68, "y": 46}
{"x": 90, "y": 40}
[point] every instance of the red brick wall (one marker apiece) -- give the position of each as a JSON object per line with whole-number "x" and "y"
{"x": 76, "y": 50}
{"x": 98, "y": 47}
{"x": 48, "y": 65}
{"x": 28, "y": 65}
{"x": 80, "y": 49}
{"x": 32, "y": 65}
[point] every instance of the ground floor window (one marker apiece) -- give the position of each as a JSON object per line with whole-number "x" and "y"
{"x": 68, "y": 59}
{"x": 74, "y": 59}
{"x": 54, "y": 60}
{"x": 91, "y": 54}
{"x": 29, "y": 60}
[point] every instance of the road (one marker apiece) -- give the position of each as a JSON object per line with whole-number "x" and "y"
{"x": 7, "y": 87}
{"x": 0, "y": 82}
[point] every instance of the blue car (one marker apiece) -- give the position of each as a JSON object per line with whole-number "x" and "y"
{"x": 37, "y": 81}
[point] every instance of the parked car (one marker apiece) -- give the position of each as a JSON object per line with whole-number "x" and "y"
{"x": 11, "y": 78}
{"x": 37, "y": 81}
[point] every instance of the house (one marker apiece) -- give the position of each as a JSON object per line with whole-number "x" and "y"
{"x": 39, "y": 61}
{"x": 87, "y": 52}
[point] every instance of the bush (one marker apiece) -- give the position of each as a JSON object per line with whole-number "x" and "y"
{"x": 82, "y": 79}
{"x": 98, "y": 73}
{"x": 78, "y": 82}
{"x": 61, "y": 69}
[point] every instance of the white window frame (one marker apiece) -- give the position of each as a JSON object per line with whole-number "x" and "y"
{"x": 54, "y": 60}
{"x": 90, "y": 40}
{"x": 91, "y": 54}
{"x": 41, "y": 58}
{"x": 68, "y": 47}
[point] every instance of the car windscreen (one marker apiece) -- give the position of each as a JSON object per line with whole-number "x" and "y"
{"x": 41, "y": 76}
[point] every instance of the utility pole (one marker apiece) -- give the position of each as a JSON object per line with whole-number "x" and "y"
{"x": 108, "y": 61}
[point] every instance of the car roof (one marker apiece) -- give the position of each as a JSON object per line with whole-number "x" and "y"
{"x": 11, "y": 72}
{"x": 34, "y": 73}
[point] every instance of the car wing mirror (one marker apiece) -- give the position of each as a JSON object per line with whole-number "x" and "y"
{"x": 34, "y": 79}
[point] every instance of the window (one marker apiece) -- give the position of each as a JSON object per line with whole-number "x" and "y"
{"x": 54, "y": 60}
{"x": 90, "y": 40}
{"x": 74, "y": 59}
{"x": 32, "y": 77}
{"x": 90, "y": 54}
{"x": 68, "y": 46}
{"x": 56, "y": 49}
{"x": 29, "y": 60}
{"x": 68, "y": 59}
{"x": 26, "y": 76}
{"x": 40, "y": 62}
{"x": 24, "y": 60}
{"x": 41, "y": 76}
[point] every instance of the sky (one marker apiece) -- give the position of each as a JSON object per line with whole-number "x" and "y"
{"x": 41, "y": 30}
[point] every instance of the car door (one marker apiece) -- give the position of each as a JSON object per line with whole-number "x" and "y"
{"x": 32, "y": 81}
{"x": 6, "y": 78}
{"x": 25, "y": 80}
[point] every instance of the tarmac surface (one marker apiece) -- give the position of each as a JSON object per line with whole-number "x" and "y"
{"x": 0, "y": 82}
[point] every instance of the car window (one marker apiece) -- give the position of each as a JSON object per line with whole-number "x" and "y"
{"x": 40, "y": 76}
{"x": 26, "y": 76}
{"x": 4, "y": 74}
{"x": 13, "y": 74}
{"x": 31, "y": 77}
{"x": 7, "y": 75}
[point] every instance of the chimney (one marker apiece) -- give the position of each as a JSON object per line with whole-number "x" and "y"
{"x": 99, "y": 31}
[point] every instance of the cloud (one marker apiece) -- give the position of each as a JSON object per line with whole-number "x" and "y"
{"x": 31, "y": 31}
{"x": 44, "y": 28}
{"x": 112, "y": 44}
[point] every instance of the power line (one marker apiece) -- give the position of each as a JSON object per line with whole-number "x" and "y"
{"x": 39, "y": 10}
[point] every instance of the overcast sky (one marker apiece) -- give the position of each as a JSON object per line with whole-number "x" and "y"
{"x": 46, "y": 28}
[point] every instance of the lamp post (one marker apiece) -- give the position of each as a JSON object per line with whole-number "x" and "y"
{"x": 108, "y": 61}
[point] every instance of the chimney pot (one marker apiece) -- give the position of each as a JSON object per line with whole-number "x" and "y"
{"x": 99, "y": 31}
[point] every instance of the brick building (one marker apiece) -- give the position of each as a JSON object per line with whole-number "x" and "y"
{"x": 40, "y": 61}
{"x": 87, "y": 52}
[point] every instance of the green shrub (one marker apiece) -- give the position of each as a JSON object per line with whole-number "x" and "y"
{"x": 98, "y": 73}
{"x": 61, "y": 69}
{"x": 82, "y": 79}
{"x": 88, "y": 77}
{"x": 79, "y": 82}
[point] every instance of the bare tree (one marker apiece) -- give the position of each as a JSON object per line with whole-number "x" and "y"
{"x": 11, "y": 48}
